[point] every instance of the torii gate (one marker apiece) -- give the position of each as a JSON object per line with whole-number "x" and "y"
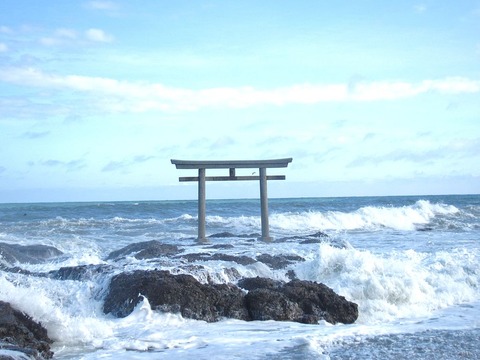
{"x": 262, "y": 165}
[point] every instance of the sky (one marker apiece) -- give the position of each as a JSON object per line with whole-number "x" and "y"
{"x": 368, "y": 97}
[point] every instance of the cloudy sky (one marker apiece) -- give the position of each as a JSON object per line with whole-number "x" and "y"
{"x": 367, "y": 97}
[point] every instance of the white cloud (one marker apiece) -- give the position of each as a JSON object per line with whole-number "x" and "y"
{"x": 5, "y": 30}
{"x": 61, "y": 36}
{"x": 420, "y": 8}
{"x": 102, "y": 5}
{"x": 49, "y": 41}
{"x": 123, "y": 96}
{"x": 66, "y": 33}
{"x": 3, "y": 47}
{"x": 98, "y": 35}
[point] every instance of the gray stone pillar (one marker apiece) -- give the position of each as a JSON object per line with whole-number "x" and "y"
{"x": 201, "y": 206}
{"x": 264, "y": 205}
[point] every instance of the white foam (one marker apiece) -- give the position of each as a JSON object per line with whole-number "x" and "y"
{"x": 397, "y": 285}
{"x": 67, "y": 309}
{"x": 367, "y": 218}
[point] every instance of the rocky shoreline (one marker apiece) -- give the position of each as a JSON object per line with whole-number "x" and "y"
{"x": 248, "y": 299}
{"x": 20, "y": 335}
{"x": 252, "y": 299}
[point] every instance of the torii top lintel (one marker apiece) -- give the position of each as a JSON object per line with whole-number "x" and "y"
{"x": 229, "y": 164}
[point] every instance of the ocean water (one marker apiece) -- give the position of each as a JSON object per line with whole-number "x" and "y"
{"x": 412, "y": 264}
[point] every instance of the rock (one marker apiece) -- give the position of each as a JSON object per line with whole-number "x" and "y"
{"x": 268, "y": 304}
{"x": 174, "y": 293}
{"x": 307, "y": 239}
{"x": 279, "y": 261}
{"x": 224, "y": 234}
{"x": 221, "y": 246}
{"x": 145, "y": 250}
{"x": 19, "y": 333}
{"x": 267, "y": 299}
{"x": 31, "y": 254}
{"x": 320, "y": 301}
{"x": 227, "y": 234}
{"x": 259, "y": 283}
{"x": 317, "y": 301}
{"x": 80, "y": 272}
{"x": 242, "y": 260}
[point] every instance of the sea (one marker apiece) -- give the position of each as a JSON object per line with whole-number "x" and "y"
{"x": 411, "y": 263}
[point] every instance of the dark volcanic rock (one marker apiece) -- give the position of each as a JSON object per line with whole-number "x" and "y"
{"x": 307, "y": 239}
{"x": 32, "y": 254}
{"x": 259, "y": 283}
{"x": 80, "y": 272}
{"x": 227, "y": 234}
{"x": 320, "y": 301}
{"x": 174, "y": 293}
{"x": 145, "y": 250}
{"x": 224, "y": 234}
{"x": 18, "y": 332}
{"x": 267, "y": 299}
{"x": 242, "y": 260}
{"x": 222, "y": 246}
{"x": 279, "y": 261}
{"x": 317, "y": 301}
{"x": 267, "y": 304}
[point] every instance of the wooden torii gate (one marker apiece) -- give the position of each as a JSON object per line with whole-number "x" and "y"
{"x": 232, "y": 165}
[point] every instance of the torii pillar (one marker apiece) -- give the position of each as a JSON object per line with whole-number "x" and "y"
{"x": 261, "y": 165}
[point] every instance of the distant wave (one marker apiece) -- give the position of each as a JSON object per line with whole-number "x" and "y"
{"x": 368, "y": 217}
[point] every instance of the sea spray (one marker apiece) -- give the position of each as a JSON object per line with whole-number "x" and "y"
{"x": 67, "y": 309}
{"x": 398, "y": 284}
{"x": 365, "y": 218}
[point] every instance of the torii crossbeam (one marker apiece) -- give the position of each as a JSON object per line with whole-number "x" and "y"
{"x": 261, "y": 165}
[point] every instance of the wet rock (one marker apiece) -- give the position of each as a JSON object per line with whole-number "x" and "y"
{"x": 145, "y": 250}
{"x": 311, "y": 241}
{"x": 307, "y": 239}
{"x": 268, "y": 304}
{"x": 174, "y": 293}
{"x": 267, "y": 299}
{"x": 17, "y": 270}
{"x": 224, "y": 234}
{"x": 222, "y": 246}
{"x": 259, "y": 283}
{"x": 242, "y": 260}
{"x": 279, "y": 261}
{"x": 80, "y": 272}
{"x": 19, "y": 333}
{"x": 317, "y": 301}
{"x": 426, "y": 228}
{"x": 31, "y": 254}
{"x": 227, "y": 234}
{"x": 320, "y": 301}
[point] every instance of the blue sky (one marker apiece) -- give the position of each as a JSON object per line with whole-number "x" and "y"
{"x": 368, "y": 97}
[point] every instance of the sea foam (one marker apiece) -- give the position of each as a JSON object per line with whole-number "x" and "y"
{"x": 398, "y": 285}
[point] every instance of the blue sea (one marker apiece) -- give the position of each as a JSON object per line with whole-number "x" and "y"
{"x": 411, "y": 263}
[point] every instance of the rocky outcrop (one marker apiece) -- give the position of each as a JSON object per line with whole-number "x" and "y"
{"x": 261, "y": 299}
{"x": 242, "y": 259}
{"x": 80, "y": 272}
{"x": 32, "y": 254}
{"x": 174, "y": 293}
{"x": 279, "y": 261}
{"x": 272, "y": 300}
{"x": 145, "y": 250}
{"x": 20, "y": 334}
